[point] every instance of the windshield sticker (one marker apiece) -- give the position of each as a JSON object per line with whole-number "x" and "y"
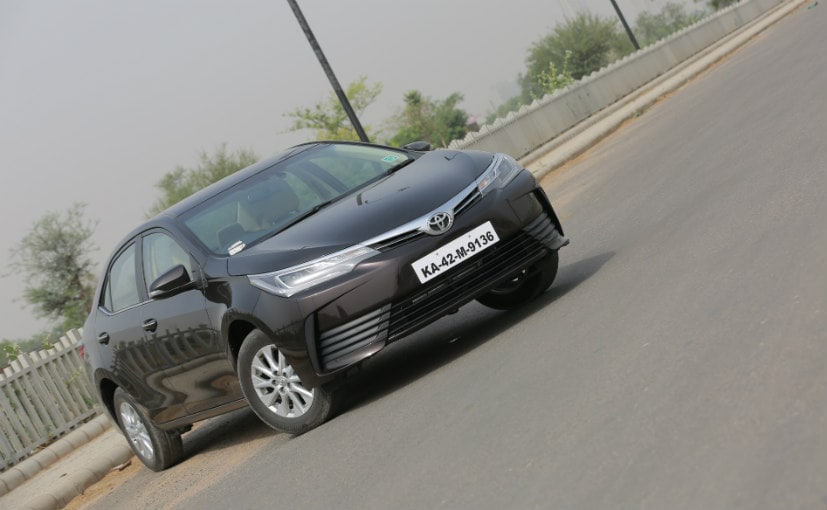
{"x": 236, "y": 247}
{"x": 391, "y": 158}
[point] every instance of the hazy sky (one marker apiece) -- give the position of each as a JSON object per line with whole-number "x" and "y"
{"x": 98, "y": 99}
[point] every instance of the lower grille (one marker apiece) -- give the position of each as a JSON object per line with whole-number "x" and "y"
{"x": 466, "y": 281}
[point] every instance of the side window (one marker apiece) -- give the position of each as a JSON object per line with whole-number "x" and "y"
{"x": 121, "y": 283}
{"x": 162, "y": 253}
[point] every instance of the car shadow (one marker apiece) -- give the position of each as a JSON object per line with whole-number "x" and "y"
{"x": 451, "y": 337}
{"x": 225, "y": 431}
{"x": 402, "y": 362}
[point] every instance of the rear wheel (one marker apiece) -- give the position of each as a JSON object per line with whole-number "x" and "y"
{"x": 274, "y": 390}
{"x": 523, "y": 287}
{"x": 158, "y": 449}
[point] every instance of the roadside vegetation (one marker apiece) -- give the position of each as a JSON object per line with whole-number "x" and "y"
{"x": 55, "y": 261}
{"x": 581, "y": 45}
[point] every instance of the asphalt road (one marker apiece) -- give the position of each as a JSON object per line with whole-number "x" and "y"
{"x": 679, "y": 361}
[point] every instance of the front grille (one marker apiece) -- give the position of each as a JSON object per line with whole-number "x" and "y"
{"x": 383, "y": 245}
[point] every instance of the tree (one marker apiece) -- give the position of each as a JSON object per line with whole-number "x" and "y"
{"x": 422, "y": 118}
{"x": 53, "y": 259}
{"x": 329, "y": 120}
{"x": 592, "y": 40}
{"x": 183, "y": 182}
{"x": 650, "y": 28}
{"x": 719, "y": 4}
{"x": 553, "y": 78}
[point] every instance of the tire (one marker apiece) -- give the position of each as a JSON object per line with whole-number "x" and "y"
{"x": 275, "y": 391}
{"x": 524, "y": 287}
{"x": 158, "y": 449}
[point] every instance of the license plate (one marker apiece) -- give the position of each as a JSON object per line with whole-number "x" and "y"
{"x": 456, "y": 252}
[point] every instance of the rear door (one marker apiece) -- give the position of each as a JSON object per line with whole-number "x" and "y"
{"x": 135, "y": 365}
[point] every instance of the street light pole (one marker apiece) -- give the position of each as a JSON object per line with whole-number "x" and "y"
{"x": 354, "y": 120}
{"x": 625, "y": 25}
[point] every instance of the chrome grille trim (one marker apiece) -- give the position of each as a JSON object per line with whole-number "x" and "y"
{"x": 416, "y": 228}
{"x": 469, "y": 200}
{"x": 393, "y": 242}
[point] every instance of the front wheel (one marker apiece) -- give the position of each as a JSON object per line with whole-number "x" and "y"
{"x": 158, "y": 449}
{"x": 524, "y": 286}
{"x": 274, "y": 390}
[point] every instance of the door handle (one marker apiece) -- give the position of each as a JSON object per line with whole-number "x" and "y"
{"x": 103, "y": 338}
{"x": 150, "y": 325}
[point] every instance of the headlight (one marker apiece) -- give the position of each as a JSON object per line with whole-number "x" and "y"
{"x": 501, "y": 171}
{"x": 298, "y": 278}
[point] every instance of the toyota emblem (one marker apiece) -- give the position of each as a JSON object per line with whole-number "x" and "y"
{"x": 439, "y": 223}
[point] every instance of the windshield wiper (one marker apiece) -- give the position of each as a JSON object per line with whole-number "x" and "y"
{"x": 310, "y": 212}
{"x": 399, "y": 166}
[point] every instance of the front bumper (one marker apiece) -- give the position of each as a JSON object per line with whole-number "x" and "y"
{"x": 350, "y": 342}
{"x": 382, "y": 300}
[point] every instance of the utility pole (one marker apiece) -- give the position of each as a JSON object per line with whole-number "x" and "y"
{"x": 625, "y": 25}
{"x": 354, "y": 120}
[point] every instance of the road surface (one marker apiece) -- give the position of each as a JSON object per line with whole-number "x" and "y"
{"x": 679, "y": 361}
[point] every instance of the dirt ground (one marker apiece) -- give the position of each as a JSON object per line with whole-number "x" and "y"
{"x": 112, "y": 480}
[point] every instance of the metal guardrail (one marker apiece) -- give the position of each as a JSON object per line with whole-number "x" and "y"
{"x": 43, "y": 396}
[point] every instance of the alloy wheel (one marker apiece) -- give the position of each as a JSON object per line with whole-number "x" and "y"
{"x": 136, "y": 431}
{"x": 278, "y": 386}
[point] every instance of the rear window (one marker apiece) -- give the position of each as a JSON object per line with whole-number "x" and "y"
{"x": 121, "y": 290}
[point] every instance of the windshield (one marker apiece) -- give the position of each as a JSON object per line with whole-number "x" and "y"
{"x": 275, "y": 198}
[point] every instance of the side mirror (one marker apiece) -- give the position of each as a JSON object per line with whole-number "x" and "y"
{"x": 418, "y": 146}
{"x": 173, "y": 281}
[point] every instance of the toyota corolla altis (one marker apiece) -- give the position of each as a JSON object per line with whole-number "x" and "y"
{"x": 265, "y": 287}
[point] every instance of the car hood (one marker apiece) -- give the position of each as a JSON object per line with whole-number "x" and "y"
{"x": 394, "y": 200}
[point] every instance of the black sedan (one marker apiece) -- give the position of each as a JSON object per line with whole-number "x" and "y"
{"x": 264, "y": 288}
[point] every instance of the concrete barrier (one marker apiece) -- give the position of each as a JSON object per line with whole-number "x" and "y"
{"x": 536, "y": 124}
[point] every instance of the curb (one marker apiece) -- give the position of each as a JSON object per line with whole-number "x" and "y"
{"x": 112, "y": 450}
{"x": 57, "y": 485}
{"x": 18, "y": 474}
{"x": 581, "y": 137}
